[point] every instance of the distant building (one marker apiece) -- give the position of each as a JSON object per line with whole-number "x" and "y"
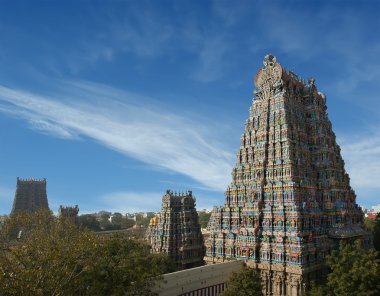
{"x": 176, "y": 231}
{"x": 376, "y": 209}
{"x": 372, "y": 213}
{"x": 30, "y": 196}
{"x": 371, "y": 216}
{"x": 70, "y": 213}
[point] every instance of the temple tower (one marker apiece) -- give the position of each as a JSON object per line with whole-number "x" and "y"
{"x": 290, "y": 200}
{"x": 176, "y": 231}
{"x": 30, "y": 196}
{"x": 69, "y": 213}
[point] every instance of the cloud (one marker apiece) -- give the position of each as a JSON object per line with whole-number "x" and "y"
{"x": 337, "y": 38}
{"x": 212, "y": 59}
{"x": 132, "y": 202}
{"x": 128, "y": 123}
{"x": 362, "y": 156}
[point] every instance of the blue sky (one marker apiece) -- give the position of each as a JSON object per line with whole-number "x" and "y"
{"x": 116, "y": 101}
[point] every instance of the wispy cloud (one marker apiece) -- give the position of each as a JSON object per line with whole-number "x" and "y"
{"x": 212, "y": 59}
{"x": 132, "y": 202}
{"x": 362, "y": 156}
{"x": 336, "y": 37}
{"x": 128, "y": 123}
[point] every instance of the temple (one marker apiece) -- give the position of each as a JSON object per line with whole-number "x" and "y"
{"x": 69, "y": 213}
{"x": 290, "y": 201}
{"x": 176, "y": 231}
{"x": 30, "y": 196}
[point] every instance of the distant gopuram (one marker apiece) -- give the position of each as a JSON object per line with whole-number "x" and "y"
{"x": 176, "y": 231}
{"x": 30, "y": 196}
{"x": 290, "y": 200}
{"x": 69, "y": 213}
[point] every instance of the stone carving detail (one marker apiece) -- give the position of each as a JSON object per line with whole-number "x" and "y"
{"x": 270, "y": 74}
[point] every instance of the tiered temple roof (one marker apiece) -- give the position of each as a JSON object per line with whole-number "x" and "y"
{"x": 290, "y": 199}
{"x": 176, "y": 231}
{"x": 70, "y": 213}
{"x": 30, "y": 195}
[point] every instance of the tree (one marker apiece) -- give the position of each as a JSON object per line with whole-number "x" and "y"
{"x": 203, "y": 218}
{"x": 143, "y": 221}
{"x": 89, "y": 221}
{"x": 376, "y": 232}
{"x": 319, "y": 291}
{"x": 354, "y": 271}
{"x": 55, "y": 257}
{"x": 374, "y": 226}
{"x": 104, "y": 220}
{"x": 245, "y": 283}
{"x": 121, "y": 222}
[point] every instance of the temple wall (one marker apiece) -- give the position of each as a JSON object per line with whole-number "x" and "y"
{"x": 205, "y": 280}
{"x": 210, "y": 280}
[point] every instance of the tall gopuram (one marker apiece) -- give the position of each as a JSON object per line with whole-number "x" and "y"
{"x": 176, "y": 231}
{"x": 30, "y": 196}
{"x": 290, "y": 200}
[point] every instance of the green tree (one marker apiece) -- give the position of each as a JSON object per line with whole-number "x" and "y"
{"x": 104, "y": 220}
{"x": 203, "y": 218}
{"x": 143, "y": 221}
{"x": 319, "y": 291}
{"x": 89, "y": 221}
{"x": 355, "y": 271}
{"x": 376, "y": 232}
{"x": 245, "y": 283}
{"x": 55, "y": 257}
{"x": 121, "y": 222}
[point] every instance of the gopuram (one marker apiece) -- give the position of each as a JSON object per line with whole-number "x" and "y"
{"x": 30, "y": 196}
{"x": 290, "y": 201}
{"x": 69, "y": 213}
{"x": 176, "y": 231}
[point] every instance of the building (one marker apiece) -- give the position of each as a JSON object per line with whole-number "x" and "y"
{"x": 176, "y": 231}
{"x": 290, "y": 200}
{"x": 70, "y": 213}
{"x": 30, "y": 196}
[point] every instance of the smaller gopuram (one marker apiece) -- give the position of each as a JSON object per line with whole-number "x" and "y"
{"x": 30, "y": 196}
{"x": 69, "y": 213}
{"x": 176, "y": 230}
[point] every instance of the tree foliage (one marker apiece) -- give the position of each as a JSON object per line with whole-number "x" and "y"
{"x": 203, "y": 218}
{"x": 89, "y": 221}
{"x": 55, "y": 257}
{"x": 143, "y": 221}
{"x": 374, "y": 226}
{"x": 355, "y": 271}
{"x": 245, "y": 283}
{"x": 376, "y": 233}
